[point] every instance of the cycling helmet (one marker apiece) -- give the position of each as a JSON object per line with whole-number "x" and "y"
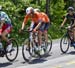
{"x": 37, "y": 10}
{"x": 29, "y": 10}
{"x": 70, "y": 9}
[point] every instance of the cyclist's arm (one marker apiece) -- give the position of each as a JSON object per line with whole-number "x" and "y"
{"x": 23, "y": 25}
{"x": 24, "y": 22}
{"x": 63, "y": 22}
{"x": 73, "y": 24}
{"x": 37, "y": 27}
{"x": 1, "y": 24}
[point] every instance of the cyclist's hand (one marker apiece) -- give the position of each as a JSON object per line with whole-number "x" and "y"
{"x": 34, "y": 30}
{"x": 61, "y": 27}
{"x": 20, "y": 30}
{"x": 28, "y": 28}
{"x": 69, "y": 27}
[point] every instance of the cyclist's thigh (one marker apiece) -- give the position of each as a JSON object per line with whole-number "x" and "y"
{"x": 6, "y": 29}
{"x": 46, "y": 26}
{"x": 42, "y": 27}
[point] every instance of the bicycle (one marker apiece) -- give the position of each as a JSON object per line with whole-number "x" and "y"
{"x": 13, "y": 53}
{"x": 31, "y": 45}
{"x": 67, "y": 41}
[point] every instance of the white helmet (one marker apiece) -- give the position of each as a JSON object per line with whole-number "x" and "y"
{"x": 29, "y": 10}
{"x": 36, "y": 10}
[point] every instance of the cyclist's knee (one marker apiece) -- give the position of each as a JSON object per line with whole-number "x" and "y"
{"x": 45, "y": 31}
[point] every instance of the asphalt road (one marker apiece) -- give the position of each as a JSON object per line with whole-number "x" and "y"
{"x": 55, "y": 60}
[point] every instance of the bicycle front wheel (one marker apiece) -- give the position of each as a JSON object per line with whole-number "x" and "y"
{"x": 64, "y": 44}
{"x": 12, "y": 55}
{"x": 26, "y": 51}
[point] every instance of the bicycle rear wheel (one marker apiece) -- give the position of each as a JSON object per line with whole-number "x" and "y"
{"x": 48, "y": 45}
{"x": 12, "y": 55}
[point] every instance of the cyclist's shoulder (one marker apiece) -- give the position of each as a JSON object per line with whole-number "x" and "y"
{"x": 36, "y": 13}
{"x": 67, "y": 15}
{"x": 42, "y": 13}
{"x": 74, "y": 13}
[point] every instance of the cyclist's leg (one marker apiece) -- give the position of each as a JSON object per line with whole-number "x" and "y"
{"x": 71, "y": 34}
{"x": 33, "y": 28}
{"x": 46, "y": 31}
{"x": 5, "y": 31}
{"x": 40, "y": 37}
{"x": 41, "y": 30}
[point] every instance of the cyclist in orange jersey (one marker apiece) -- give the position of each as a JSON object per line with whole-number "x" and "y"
{"x": 35, "y": 19}
{"x": 33, "y": 16}
{"x": 44, "y": 25}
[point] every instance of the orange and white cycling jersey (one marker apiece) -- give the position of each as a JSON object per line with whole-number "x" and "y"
{"x": 44, "y": 17}
{"x": 35, "y": 18}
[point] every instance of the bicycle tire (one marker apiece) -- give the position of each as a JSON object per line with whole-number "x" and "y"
{"x": 16, "y": 46}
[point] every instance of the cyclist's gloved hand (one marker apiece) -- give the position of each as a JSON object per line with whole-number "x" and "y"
{"x": 20, "y": 30}
{"x": 69, "y": 27}
{"x": 28, "y": 28}
{"x": 61, "y": 27}
{"x": 34, "y": 30}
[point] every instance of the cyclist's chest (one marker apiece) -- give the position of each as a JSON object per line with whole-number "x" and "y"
{"x": 34, "y": 18}
{"x": 71, "y": 17}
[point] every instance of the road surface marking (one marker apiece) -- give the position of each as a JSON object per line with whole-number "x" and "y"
{"x": 59, "y": 66}
{"x": 70, "y": 62}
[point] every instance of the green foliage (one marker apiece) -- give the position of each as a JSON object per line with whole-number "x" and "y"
{"x": 16, "y": 11}
{"x": 57, "y": 12}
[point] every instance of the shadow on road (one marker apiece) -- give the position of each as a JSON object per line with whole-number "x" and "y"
{"x": 5, "y": 64}
{"x": 47, "y": 55}
{"x": 35, "y": 61}
{"x": 39, "y": 60}
{"x": 72, "y": 53}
